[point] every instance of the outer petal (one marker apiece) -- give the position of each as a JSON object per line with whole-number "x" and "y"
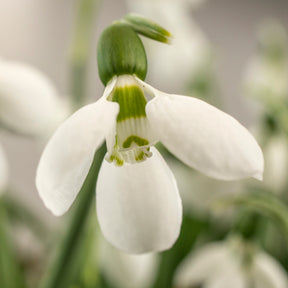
{"x": 28, "y": 100}
{"x": 204, "y": 137}
{"x": 3, "y": 170}
{"x": 138, "y": 206}
{"x": 67, "y": 158}
{"x": 199, "y": 266}
{"x": 267, "y": 273}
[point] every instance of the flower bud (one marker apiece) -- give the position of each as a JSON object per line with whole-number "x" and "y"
{"x": 120, "y": 52}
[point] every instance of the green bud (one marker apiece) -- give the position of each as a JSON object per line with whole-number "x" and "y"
{"x": 148, "y": 28}
{"x": 120, "y": 51}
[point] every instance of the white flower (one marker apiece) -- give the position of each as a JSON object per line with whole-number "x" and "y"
{"x": 29, "y": 105}
{"x": 190, "y": 49}
{"x": 233, "y": 264}
{"x": 138, "y": 204}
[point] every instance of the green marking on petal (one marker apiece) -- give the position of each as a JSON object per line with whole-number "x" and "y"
{"x": 140, "y": 156}
{"x": 133, "y": 138}
{"x": 131, "y": 100}
{"x": 117, "y": 160}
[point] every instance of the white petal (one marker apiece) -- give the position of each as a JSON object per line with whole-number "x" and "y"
{"x": 138, "y": 205}
{"x": 199, "y": 266}
{"x": 28, "y": 100}
{"x": 3, "y": 170}
{"x": 267, "y": 273}
{"x": 228, "y": 276}
{"x": 67, "y": 157}
{"x": 204, "y": 137}
{"x": 126, "y": 270}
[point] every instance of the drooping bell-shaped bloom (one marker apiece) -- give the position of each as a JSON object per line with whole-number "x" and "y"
{"x": 29, "y": 105}
{"x": 29, "y": 102}
{"x": 138, "y": 204}
{"x": 234, "y": 263}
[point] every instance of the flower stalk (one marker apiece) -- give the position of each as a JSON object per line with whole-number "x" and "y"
{"x": 59, "y": 275}
{"x": 62, "y": 267}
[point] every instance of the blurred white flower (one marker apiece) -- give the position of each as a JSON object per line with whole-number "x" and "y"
{"x": 276, "y": 159}
{"x": 266, "y": 81}
{"x": 190, "y": 48}
{"x": 29, "y": 105}
{"x": 234, "y": 263}
{"x": 125, "y": 270}
{"x": 267, "y": 73}
{"x": 3, "y": 170}
{"x": 263, "y": 79}
{"x": 138, "y": 204}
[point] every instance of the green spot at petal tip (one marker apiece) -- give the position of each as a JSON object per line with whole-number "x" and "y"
{"x": 137, "y": 140}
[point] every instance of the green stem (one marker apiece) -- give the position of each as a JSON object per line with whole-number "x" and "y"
{"x": 80, "y": 51}
{"x": 10, "y": 276}
{"x": 62, "y": 270}
{"x": 62, "y": 265}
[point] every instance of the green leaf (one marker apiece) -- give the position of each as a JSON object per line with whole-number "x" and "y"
{"x": 148, "y": 28}
{"x": 265, "y": 204}
{"x": 10, "y": 273}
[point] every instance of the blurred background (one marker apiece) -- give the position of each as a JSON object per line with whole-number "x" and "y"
{"x": 40, "y": 33}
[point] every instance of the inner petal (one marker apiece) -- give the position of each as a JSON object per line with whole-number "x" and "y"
{"x": 133, "y": 134}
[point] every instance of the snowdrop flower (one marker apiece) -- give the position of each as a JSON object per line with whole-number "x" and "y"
{"x": 190, "y": 49}
{"x": 29, "y": 102}
{"x": 233, "y": 263}
{"x": 29, "y": 105}
{"x": 138, "y": 204}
